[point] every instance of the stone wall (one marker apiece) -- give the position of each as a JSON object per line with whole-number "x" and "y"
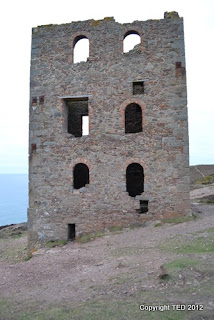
{"x": 106, "y": 81}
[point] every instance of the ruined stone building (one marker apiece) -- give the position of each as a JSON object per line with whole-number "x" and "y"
{"x": 132, "y": 165}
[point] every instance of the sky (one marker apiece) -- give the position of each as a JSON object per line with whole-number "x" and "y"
{"x": 17, "y": 20}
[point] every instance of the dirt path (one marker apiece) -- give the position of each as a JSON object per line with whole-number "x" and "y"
{"x": 117, "y": 267}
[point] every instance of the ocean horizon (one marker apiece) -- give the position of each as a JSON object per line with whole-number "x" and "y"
{"x": 13, "y": 198}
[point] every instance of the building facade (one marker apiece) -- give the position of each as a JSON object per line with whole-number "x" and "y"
{"x": 133, "y": 164}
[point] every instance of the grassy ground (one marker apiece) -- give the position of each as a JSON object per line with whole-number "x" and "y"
{"x": 13, "y": 247}
{"x": 185, "y": 277}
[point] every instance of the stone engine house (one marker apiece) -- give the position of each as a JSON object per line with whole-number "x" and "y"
{"x": 133, "y": 163}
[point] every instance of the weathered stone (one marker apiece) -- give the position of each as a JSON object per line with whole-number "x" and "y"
{"x": 105, "y": 84}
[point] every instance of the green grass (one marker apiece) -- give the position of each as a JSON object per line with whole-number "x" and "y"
{"x": 28, "y": 258}
{"x": 3, "y": 309}
{"x": 126, "y": 309}
{"x": 198, "y": 244}
{"x": 206, "y": 180}
{"x": 115, "y": 228}
{"x": 175, "y": 220}
{"x": 11, "y": 234}
{"x": 159, "y": 224}
{"x": 209, "y": 230}
{"x": 91, "y": 236}
{"x": 99, "y": 234}
{"x": 178, "y": 219}
{"x": 13, "y": 251}
{"x": 207, "y": 200}
{"x": 180, "y": 264}
{"x": 137, "y": 225}
{"x": 52, "y": 243}
{"x": 54, "y": 313}
{"x": 17, "y": 235}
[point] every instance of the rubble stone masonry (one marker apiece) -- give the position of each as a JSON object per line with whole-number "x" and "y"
{"x": 103, "y": 87}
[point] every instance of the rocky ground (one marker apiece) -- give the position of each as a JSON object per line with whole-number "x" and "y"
{"x": 161, "y": 264}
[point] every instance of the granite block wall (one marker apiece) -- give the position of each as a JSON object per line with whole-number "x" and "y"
{"x": 104, "y": 86}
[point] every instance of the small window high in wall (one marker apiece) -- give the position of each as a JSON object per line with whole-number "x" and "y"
{"x": 130, "y": 40}
{"x": 77, "y": 115}
{"x": 80, "y": 175}
{"x": 133, "y": 118}
{"x": 138, "y": 87}
{"x": 80, "y": 49}
{"x": 134, "y": 179}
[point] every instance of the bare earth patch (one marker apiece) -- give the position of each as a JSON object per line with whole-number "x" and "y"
{"x": 111, "y": 276}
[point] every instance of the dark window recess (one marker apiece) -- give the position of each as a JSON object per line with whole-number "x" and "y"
{"x": 71, "y": 232}
{"x": 178, "y": 65}
{"x": 133, "y": 118}
{"x": 134, "y": 179}
{"x": 33, "y": 147}
{"x": 144, "y": 206}
{"x": 138, "y": 87}
{"x": 81, "y": 175}
{"x": 180, "y": 71}
{"x": 77, "y": 108}
{"x": 34, "y": 100}
{"x": 41, "y": 100}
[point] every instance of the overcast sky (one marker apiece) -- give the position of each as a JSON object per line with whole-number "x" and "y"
{"x": 17, "y": 19}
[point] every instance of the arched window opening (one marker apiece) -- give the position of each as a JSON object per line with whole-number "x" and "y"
{"x": 134, "y": 179}
{"x": 81, "y": 175}
{"x": 80, "y": 49}
{"x": 133, "y": 118}
{"x": 131, "y": 39}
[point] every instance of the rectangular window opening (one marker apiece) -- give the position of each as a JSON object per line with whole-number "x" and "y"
{"x": 41, "y": 100}
{"x": 144, "y": 206}
{"x": 78, "y": 117}
{"x": 138, "y": 87}
{"x": 71, "y": 232}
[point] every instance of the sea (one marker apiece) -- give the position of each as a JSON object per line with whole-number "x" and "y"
{"x": 13, "y": 198}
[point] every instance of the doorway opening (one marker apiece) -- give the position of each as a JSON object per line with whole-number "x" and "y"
{"x": 71, "y": 232}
